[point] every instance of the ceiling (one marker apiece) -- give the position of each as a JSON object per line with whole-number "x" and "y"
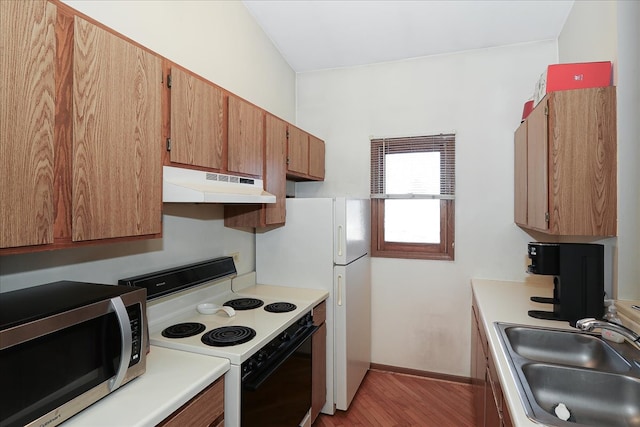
{"x": 321, "y": 34}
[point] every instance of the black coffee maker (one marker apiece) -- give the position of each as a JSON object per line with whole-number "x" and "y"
{"x": 578, "y": 282}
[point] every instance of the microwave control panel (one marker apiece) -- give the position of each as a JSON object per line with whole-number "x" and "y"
{"x": 135, "y": 319}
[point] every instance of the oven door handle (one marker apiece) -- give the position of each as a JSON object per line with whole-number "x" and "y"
{"x": 262, "y": 375}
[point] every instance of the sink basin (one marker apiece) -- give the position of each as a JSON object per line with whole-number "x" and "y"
{"x": 593, "y": 398}
{"x": 599, "y": 382}
{"x": 566, "y": 348}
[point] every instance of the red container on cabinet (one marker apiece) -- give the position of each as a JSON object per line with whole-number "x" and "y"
{"x": 528, "y": 108}
{"x": 578, "y": 75}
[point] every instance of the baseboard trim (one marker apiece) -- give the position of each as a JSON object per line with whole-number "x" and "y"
{"x": 419, "y": 373}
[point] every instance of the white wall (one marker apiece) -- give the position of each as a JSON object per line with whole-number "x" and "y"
{"x": 421, "y": 309}
{"x": 628, "y": 273}
{"x": 589, "y": 33}
{"x": 608, "y": 31}
{"x": 220, "y": 41}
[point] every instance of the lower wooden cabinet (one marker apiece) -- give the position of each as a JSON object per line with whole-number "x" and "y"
{"x": 478, "y": 373}
{"x": 489, "y": 405}
{"x": 206, "y": 409}
{"x": 319, "y": 361}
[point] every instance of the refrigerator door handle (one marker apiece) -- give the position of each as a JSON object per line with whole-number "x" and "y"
{"x": 339, "y": 292}
{"x": 340, "y": 231}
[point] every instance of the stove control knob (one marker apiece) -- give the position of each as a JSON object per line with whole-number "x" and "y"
{"x": 261, "y": 356}
{"x": 249, "y": 366}
{"x": 285, "y": 336}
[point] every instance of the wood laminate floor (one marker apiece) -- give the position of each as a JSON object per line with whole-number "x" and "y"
{"x": 387, "y": 399}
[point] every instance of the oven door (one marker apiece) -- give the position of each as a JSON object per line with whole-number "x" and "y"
{"x": 280, "y": 394}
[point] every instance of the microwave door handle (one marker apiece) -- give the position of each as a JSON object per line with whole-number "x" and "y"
{"x": 118, "y": 307}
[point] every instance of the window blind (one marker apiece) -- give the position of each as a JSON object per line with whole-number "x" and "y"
{"x": 444, "y": 144}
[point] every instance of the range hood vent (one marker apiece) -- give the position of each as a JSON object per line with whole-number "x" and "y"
{"x": 191, "y": 186}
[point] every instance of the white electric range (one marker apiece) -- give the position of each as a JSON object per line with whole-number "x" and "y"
{"x": 265, "y": 348}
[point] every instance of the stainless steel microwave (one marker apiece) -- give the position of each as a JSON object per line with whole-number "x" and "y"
{"x": 65, "y": 345}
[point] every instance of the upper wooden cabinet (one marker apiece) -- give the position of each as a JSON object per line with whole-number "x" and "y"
{"x": 267, "y": 214}
{"x": 305, "y": 156}
{"x": 117, "y": 174}
{"x": 84, "y": 119}
{"x": 316, "y": 157}
{"x": 570, "y": 167}
{"x": 246, "y": 133}
{"x": 27, "y": 120}
{"x": 298, "y": 151}
{"x": 81, "y": 128}
{"x": 197, "y": 121}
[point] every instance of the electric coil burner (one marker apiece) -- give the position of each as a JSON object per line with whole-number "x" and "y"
{"x": 280, "y": 307}
{"x": 183, "y": 330}
{"x": 228, "y": 335}
{"x": 244, "y": 303}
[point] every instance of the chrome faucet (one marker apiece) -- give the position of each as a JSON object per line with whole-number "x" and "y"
{"x": 589, "y": 324}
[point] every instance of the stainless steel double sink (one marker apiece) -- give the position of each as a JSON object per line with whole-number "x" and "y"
{"x": 598, "y": 381}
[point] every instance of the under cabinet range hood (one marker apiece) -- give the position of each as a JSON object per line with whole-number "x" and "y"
{"x": 192, "y": 186}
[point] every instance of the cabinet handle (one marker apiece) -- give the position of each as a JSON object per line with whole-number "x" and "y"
{"x": 339, "y": 240}
{"x": 339, "y": 296}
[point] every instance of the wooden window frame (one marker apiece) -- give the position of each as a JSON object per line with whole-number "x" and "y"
{"x": 445, "y": 250}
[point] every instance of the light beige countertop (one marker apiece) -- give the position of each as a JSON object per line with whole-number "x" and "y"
{"x": 246, "y": 283}
{"x": 509, "y": 302}
{"x": 629, "y": 315}
{"x": 172, "y": 378}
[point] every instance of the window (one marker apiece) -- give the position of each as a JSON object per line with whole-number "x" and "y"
{"x": 412, "y": 197}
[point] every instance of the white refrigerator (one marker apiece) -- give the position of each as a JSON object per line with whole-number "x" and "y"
{"x": 325, "y": 245}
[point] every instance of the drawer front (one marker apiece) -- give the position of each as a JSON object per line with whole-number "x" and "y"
{"x": 206, "y": 409}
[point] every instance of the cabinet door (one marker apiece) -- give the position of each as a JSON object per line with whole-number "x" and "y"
{"x": 520, "y": 175}
{"x": 246, "y": 133}
{"x": 478, "y": 372}
{"x": 239, "y": 215}
{"x": 582, "y": 165}
{"x": 537, "y": 169}
{"x": 492, "y": 414}
{"x": 117, "y": 174}
{"x": 319, "y": 371}
{"x": 27, "y": 111}
{"x": 316, "y": 157}
{"x": 298, "y": 151}
{"x": 197, "y": 121}
{"x": 275, "y": 173}
{"x": 206, "y": 409}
